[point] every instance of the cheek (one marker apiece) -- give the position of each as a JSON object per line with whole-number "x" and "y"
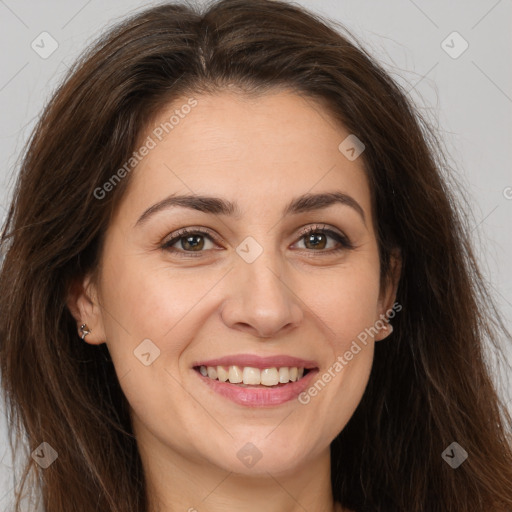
{"x": 143, "y": 298}
{"x": 133, "y": 296}
{"x": 346, "y": 301}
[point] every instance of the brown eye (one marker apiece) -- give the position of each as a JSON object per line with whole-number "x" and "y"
{"x": 318, "y": 239}
{"x": 189, "y": 241}
{"x": 192, "y": 242}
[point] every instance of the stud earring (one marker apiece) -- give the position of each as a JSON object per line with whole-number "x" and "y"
{"x": 84, "y": 330}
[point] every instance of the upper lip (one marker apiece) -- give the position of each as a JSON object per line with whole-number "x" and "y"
{"x": 260, "y": 362}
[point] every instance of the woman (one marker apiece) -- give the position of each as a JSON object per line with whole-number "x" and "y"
{"x": 235, "y": 279}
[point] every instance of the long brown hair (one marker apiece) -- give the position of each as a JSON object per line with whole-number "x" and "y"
{"x": 430, "y": 384}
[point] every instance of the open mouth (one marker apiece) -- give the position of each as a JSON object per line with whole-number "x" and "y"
{"x": 250, "y": 377}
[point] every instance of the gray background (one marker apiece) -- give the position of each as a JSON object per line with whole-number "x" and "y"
{"x": 468, "y": 99}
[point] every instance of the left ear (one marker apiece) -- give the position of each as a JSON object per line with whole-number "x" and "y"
{"x": 388, "y": 295}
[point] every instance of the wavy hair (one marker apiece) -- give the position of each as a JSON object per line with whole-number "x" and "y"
{"x": 430, "y": 382}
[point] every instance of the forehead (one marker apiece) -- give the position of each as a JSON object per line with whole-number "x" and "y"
{"x": 249, "y": 149}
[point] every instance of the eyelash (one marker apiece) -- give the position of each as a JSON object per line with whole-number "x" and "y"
{"x": 345, "y": 242}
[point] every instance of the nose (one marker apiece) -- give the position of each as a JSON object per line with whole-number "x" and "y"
{"x": 260, "y": 302}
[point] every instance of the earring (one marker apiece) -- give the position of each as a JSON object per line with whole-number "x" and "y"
{"x": 85, "y": 331}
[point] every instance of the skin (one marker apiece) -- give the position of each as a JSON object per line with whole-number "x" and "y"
{"x": 294, "y": 299}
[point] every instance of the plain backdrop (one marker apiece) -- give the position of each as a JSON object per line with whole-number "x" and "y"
{"x": 462, "y": 82}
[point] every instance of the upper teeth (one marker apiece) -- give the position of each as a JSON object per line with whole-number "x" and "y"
{"x": 255, "y": 376}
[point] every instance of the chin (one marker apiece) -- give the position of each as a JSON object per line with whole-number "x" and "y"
{"x": 259, "y": 458}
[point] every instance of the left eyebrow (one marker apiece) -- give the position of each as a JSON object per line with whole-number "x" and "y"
{"x": 311, "y": 202}
{"x": 218, "y": 206}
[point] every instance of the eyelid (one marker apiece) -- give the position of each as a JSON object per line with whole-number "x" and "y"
{"x": 329, "y": 231}
{"x": 318, "y": 227}
{"x": 310, "y": 228}
{"x": 176, "y": 235}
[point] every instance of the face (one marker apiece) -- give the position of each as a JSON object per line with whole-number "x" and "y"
{"x": 278, "y": 269}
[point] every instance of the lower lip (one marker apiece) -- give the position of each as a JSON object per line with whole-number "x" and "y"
{"x": 259, "y": 397}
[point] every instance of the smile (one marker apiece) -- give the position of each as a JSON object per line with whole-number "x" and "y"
{"x": 256, "y": 381}
{"x": 250, "y": 376}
